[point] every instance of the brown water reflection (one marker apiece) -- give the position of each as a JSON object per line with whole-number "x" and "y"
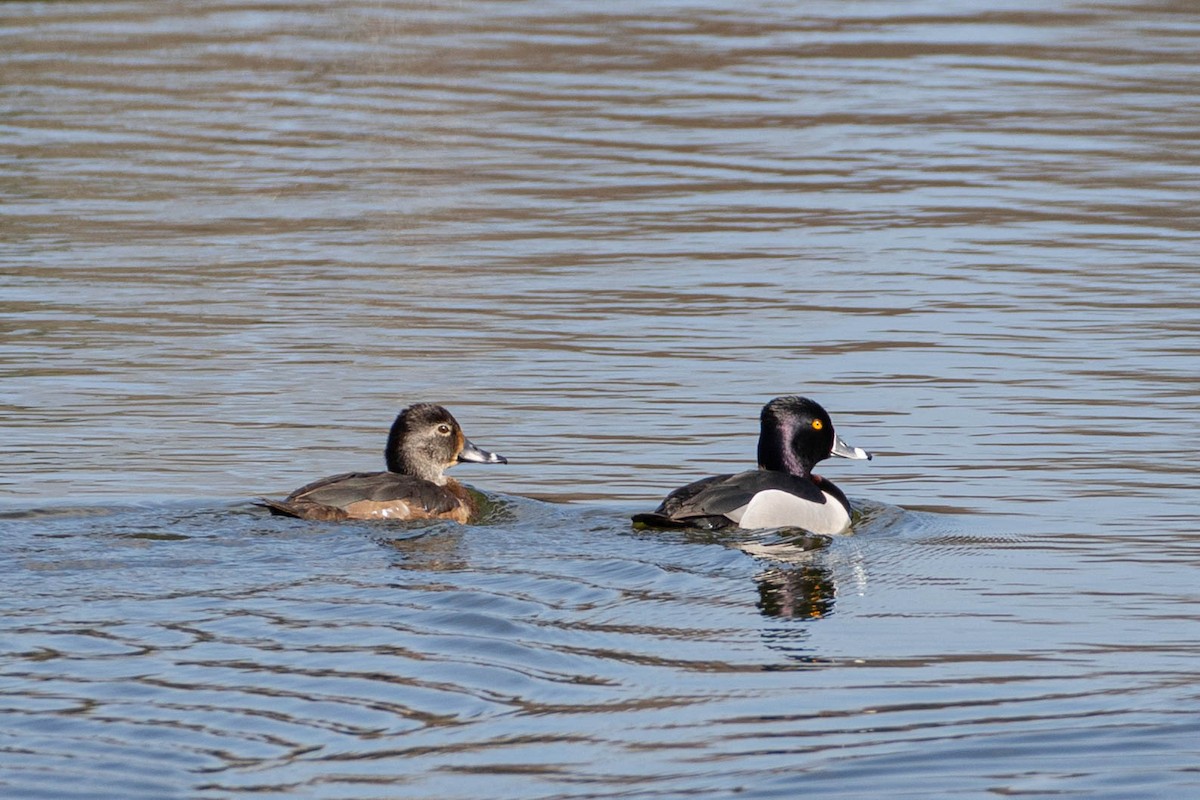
{"x": 236, "y": 238}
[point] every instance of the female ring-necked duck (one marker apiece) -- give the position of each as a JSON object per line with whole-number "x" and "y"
{"x": 425, "y": 440}
{"x": 796, "y": 433}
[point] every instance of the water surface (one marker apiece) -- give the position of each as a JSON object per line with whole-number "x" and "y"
{"x": 238, "y": 238}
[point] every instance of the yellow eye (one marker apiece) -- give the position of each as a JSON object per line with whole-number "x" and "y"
{"x": 817, "y": 424}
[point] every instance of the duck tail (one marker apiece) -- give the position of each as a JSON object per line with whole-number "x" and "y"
{"x": 653, "y": 520}
{"x": 663, "y": 522}
{"x": 278, "y": 507}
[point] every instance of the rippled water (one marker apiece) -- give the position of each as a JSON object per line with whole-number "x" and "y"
{"x": 238, "y": 238}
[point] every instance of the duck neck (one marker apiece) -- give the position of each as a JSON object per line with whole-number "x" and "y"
{"x": 776, "y": 453}
{"x": 399, "y": 461}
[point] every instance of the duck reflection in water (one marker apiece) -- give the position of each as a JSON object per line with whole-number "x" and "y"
{"x": 796, "y": 592}
{"x": 798, "y": 585}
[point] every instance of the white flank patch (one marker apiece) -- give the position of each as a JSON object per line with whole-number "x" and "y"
{"x": 773, "y": 508}
{"x": 367, "y": 509}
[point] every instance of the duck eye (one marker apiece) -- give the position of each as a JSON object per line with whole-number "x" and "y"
{"x": 444, "y": 430}
{"x": 818, "y": 425}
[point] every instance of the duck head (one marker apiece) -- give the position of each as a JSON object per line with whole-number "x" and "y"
{"x": 796, "y": 433}
{"x": 426, "y": 440}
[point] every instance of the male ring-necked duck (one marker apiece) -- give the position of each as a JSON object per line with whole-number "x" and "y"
{"x": 796, "y": 433}
{"x": 425, "y": 440}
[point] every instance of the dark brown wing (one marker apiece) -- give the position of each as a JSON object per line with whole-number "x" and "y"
{"x": 342, "y": 490}
{"x": 328, "y": 498}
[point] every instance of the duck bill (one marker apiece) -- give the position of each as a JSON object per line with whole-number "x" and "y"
{"x": 472, "y": 453}
{"x": 844, "y": 450}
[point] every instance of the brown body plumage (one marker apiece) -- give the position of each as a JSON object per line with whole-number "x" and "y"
{"x": 425, "y": 440}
